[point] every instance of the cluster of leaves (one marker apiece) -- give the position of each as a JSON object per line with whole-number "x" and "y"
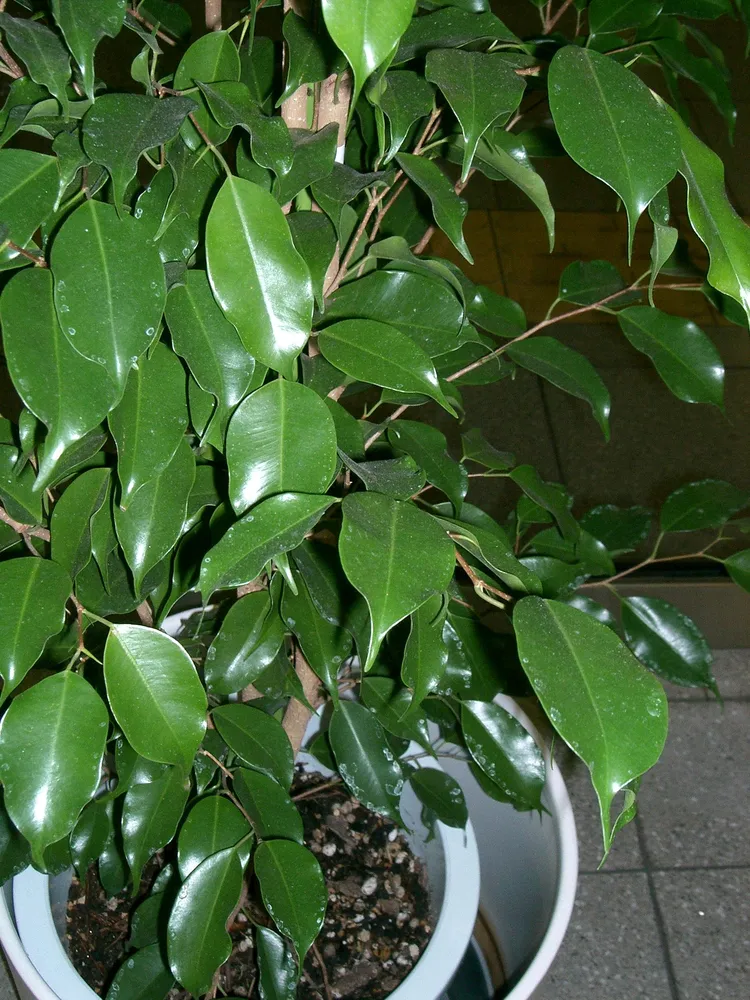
{"x": 202, "y": 310}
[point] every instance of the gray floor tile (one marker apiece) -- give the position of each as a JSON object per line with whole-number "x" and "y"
{"x": 732, "y": 671}
{"x": 694, "y": 805}
{"x": 707, "y": 916}
{"x": 612, "y": 948}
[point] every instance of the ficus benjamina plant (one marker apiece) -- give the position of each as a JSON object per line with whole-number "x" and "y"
{"x": 232, "y": 353}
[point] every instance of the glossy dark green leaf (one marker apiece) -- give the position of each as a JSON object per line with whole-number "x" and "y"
{"x": 271, "y": 142}
{"x": 681, "y": 352}
{"x": 603, "y": 703}
{"x": 197, "y": 938}
{"x": 568, "y": 370}
{"x": 612, "y": 126}
{"x": 28, "y": 191}
{"x": 701, "y": 71}
{"x": 392, "y": 705}
{"x": 614, "y": 15}
{"x": 724, "y": 233}
{"x": 59, "y": 719}
{"x": 314, "y": 160}
{"x": 258, "y": 739}
{"x": 325, "y": 646}
{"x": 276, "y": 525}
{"x": 400, "y": 478}
{"x": 331, "y": 592}
{"x": 71, "y": 519}
{"x": 90, "y": 835}
{"x": 696, "y": 8}
{"x": 460, "y": 23}
{"x": 119, "y": 128}
{"x": 277, "y": 967}
{"x": 425, "y": 654}
{"x": 282, "y": 438}
{"x": 667, "y": 642}
{"x": 593, "y": 608}
{"x": 665, "y": 238}
{"x": 396, "y": 556}
{"x": 490, "y": 544}
{"x": 315, "y": 240}
{"x": 230, "y": 664}
{"x": 154, "y": 693}
{"x": 428, "y": 447}
{"x": 479, "y": 86}
{"x": 375, "y": 352}
{"x": 738, "y": 567}
{"x": 589, "y": 281}
{"x": 109, "y": 287}
{"x": 33, "y": 593}
{"x": 153, "y": 522}
{"x": 155, "y": 386}
{"x": 364, "y": 759}
{"x": 63, "y": 389}
{"x": 195, "y": 180}
{"x": 21, "y": 97}
{"x": 43, "y": 52}
{"x": 620, "y": 529}
{"x": 425, "y": 309}
{"x": 212, "y": 824}
{"x": 151, "y": 813}
{"x": 293, "y": 890}
{"x": 142, "y": 976}
{"x": 308, "y": 61}
{"x": 18, "y": 486}
{"x": 272, "y": 812}
{"x": 442, "y": 794}
{"x": 84, "y": 23}
{"x": 370, "y": 37}
{"x": 15, "y": 854}
{"x": 478, "y": 450}
{"x": 708, "y": 503}
{"x": 211, "y": 58}
{"x": 259, "y": 279}
{"x": 407, "y": 98}
{"x": 447, "y": 207}
{"x": 546, "y": 496}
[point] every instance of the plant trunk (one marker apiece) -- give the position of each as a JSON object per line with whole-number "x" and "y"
{"x": 297, "y": 714}
{"x": 213, "y": 15}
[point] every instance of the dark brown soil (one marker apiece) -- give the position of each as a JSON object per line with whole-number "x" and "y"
{"x": 376, "y": 927}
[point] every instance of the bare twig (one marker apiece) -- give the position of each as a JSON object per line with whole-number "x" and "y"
{"x": 26, "y": 531}
{"x": 312, "y": 792}
{"x": 14, "y": 69}
{"x": 323, "y": 970}
{"x": 477, "y": 582}
{"x": 36, "y": 258}
{"x": 386, "y": 423}
{"x": 552, "y": 21}
{"x": 147, "y": 24}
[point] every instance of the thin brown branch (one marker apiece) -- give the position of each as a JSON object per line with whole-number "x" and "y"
{"x": 147, "y": 24}
{"x": 213, "y": 15}
{"x": 14, "y": 69}
{"x": 384, "y": 426}
{"x": 145, "y": 614}
{"x": 552, "y": 21}
{"x": 477, "y": 582}
{"x": 27, "y": 530}
{"x": 225, "y": 771}
{"x": 385, "y": 209}
{"x": 38, "y": 260}
{"x": 641, "y": 565}
{"x": 323, "y": 971}
{"x": 312, "y": 792}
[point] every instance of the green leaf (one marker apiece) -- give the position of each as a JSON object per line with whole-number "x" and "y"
{"x": 33, "y": 594}
{"x": 442, "y": 794}
{"x": 315, "y": 240}
{"x": 271, "y": 141}
{"x": 28, "y": 191}
{"x": 64, "y": 390}
{"x": 620, "y": 529}
{"x": 505, "y": 751}
{"x": 453, "y": 29}
{"x": 708, "y": 503}
{"x": 119, "y": 128}
{"x": 726, "y": 236}
{"x": 396, "y": 556}
{"x": 399, "y": 478}
{"x": 325, "y": 646}
{"x": 272, "y": 812}
{"x": 677, "y": 56}
{"x": 90, "y": 835}
{"x": 155, "y": 387}
{"x": 282, "y": 438}
{"x": 52, "y": 742}
{"x": 547, "y": 496}
{"x": 368, "y": 37}
{"x": 109, "y": 287}
{"x": 197, "y": 938}
{"x": 596, "y": 610}
{"x": 21, "y": 97}
{"x": 314, "y": 160}
{"x": 407, "y": 98}
{"x": 213, "y": 824}
{"x": 665, "y": 238}
{"x": 71, "y": 519}
{"x": 612, "y": 126}
{"x": 84, "y": 23}
{"x": 479, "y": 86}
{"x": 374, "y": 352}
{"x": 476, "y": 449}
{"x": 738, "y": 567}
{"x": 195, "y": 180}
{"x": 151, "y": 813}
{"x": 667, "y": 642}
{"x": 142, "y": 976}
{"x": 696, "y": 8}
{"x": 276, "y": 525}
{"x": 364, "y": 759}
{"x": 293, "y": 890}
{"x": 428, "y": 447}
{"x": 154, "y": 693}
{"x": 259, "y": 279}
{"x": 154, "y": 520}
{"x": 683, "y": 355}
{"x": 329, "y": 588}
{"x": 250, "y": 637}
{"x": 211, "y": 58}
{"x": 428, "y": 311}
{"x": 258, "y": 739}
{"x": 608, "y": 709}
{"x": 43, "y": 52}
{"x": 425, "y": 654}
{"x": 568, "y": 370}
{"x": 586, "y": 282}
{"x": 614, "y": 15}
{"x": 393, "y": 707}
{"x": 277, "y": 968}
{"x": 447, "y": 207}
{"x": 307, "y": 58}
{"x": 14, "y": 849}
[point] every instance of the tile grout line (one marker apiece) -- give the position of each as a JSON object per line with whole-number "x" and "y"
{"x": 658, "y": 870}
{"x": 661, "y": 927}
